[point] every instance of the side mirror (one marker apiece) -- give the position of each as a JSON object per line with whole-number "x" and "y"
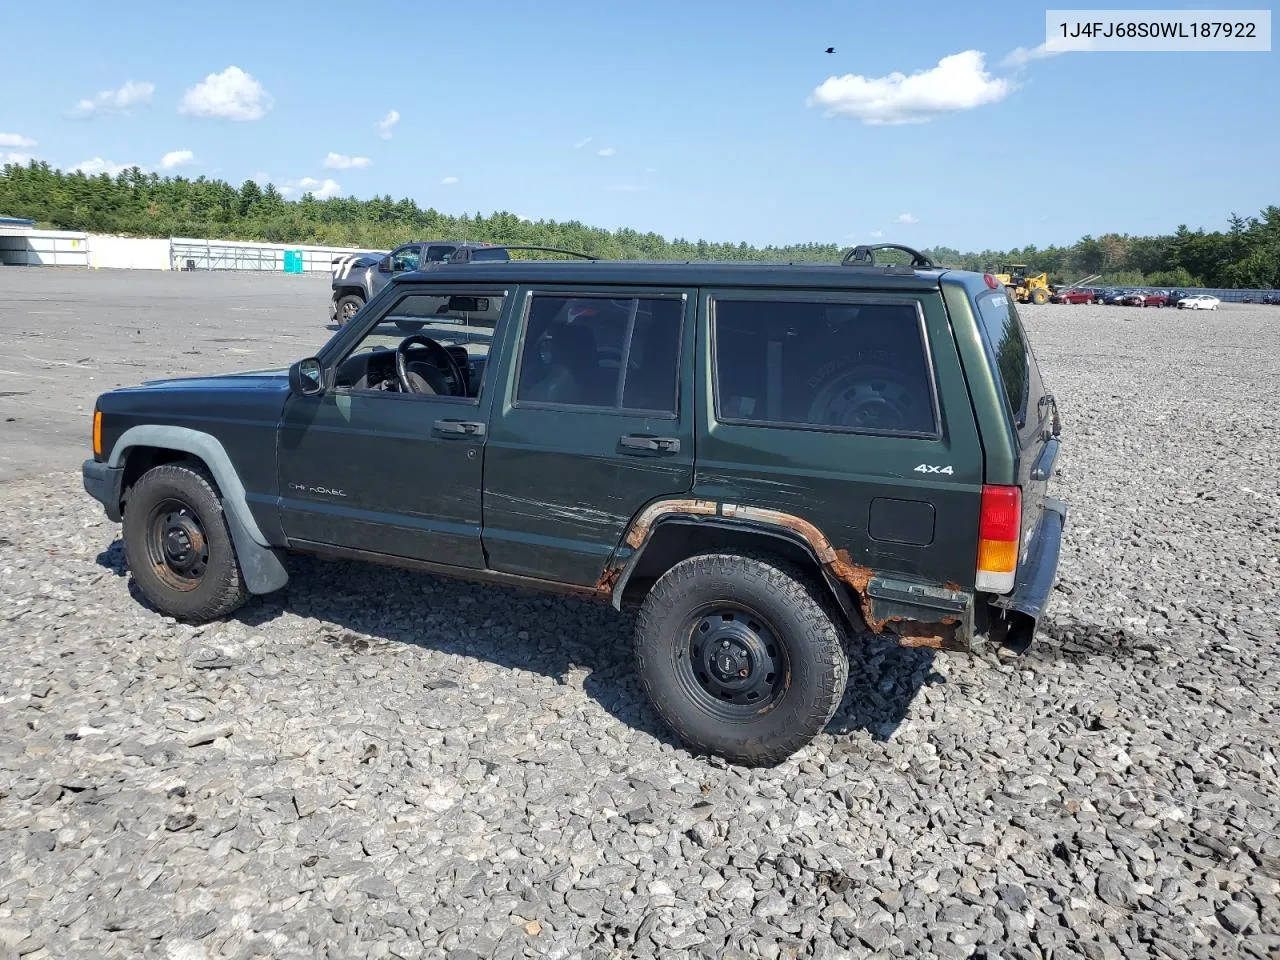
{"x": 384, "y": 265}
{"x": 306, "y": 377}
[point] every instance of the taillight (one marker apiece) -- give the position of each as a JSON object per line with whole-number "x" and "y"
{"x": 97, "y": 433}
{"x": 999, "y": 530}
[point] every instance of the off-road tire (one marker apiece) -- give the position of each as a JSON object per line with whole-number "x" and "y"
{"x": 1039, "y": 296}
{"x": 350, "y": 298}
{"x": 800, "y": 618}
{"x": 220, "y": 588}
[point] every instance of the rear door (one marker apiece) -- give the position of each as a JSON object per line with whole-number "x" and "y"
{"x": 1030, "y": 408}
{"x": 592, "y": 426}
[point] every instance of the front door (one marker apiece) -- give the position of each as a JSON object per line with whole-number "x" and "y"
{"x": 390, "y": 463}
{"x": 594, "y": 426}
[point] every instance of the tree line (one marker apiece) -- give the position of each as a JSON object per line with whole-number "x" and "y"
{"x": 136, "y": 203}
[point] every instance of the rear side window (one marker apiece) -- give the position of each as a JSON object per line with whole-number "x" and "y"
{"x": 821, "y": 365}
{"x": 1006, "y": 345}
{"x": 620, "y": 353}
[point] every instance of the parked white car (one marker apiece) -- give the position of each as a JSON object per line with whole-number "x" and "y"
{"x": 1199, "y": 302}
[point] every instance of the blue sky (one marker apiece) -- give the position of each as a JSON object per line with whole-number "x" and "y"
{"x": 709, "y": 109}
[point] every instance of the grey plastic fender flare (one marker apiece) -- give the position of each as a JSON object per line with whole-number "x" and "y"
{"x": 259, "y": 560}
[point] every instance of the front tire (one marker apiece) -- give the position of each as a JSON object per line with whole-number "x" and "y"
{"x": 178, "y": 546}
{"x": 347, "y": 307}
{"x": 740, "y": 657}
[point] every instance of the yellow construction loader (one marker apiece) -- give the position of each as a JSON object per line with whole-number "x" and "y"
{"x": 1025, "y": 289}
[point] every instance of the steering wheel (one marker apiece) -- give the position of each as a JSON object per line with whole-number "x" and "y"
{"x": 437, "y": 351}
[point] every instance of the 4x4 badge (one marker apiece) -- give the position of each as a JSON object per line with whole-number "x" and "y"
{"x": 933, "y": 468}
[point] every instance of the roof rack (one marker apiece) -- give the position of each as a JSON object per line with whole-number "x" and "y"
{"x": 463, "y": 254}
{"x": 863, "y": 255}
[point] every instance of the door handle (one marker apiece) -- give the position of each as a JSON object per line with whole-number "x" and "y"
{"x": 470, "y": 428}
{"x": 641, "y": 441}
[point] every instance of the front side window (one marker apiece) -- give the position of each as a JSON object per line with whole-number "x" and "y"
{"x": 463, "y": 323}
{"x": 602, "y": 352}
{"x": 406, "y": 258}
{"x": 861, "y": 367}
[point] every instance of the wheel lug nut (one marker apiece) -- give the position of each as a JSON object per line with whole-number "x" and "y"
{"x": 724, "y": 644}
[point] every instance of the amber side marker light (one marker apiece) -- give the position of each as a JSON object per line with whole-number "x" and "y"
{"x": 999, "y": 527}
{"x": 97, "y": 433}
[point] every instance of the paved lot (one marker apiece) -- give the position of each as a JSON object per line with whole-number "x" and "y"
{"x": 373, "y": 763}
{"x": 67, "y": 335}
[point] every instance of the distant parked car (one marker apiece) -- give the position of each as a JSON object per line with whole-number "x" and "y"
{"x": 1273, "y": 299}
{"x": 1201, "y": 301}
{"x": 1074, "y": 295}
{"x": 1145, "y": 299}
{"x": 1116, "y": 297}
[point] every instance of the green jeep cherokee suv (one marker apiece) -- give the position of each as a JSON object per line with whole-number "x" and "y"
{"x": 766, "y": 459}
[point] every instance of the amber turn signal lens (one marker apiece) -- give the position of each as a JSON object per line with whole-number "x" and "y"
{"x": 998, "y": 556}
{"x": 97, "y": 433}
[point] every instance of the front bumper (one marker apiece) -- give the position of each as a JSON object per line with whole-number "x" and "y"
{"x": 103, "y": 483}
{"x": 1023, "y": 606}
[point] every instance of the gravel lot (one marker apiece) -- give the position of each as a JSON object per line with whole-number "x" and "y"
{"x": 374, "y": 763}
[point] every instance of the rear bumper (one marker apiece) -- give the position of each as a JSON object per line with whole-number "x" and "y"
{"x": 1024, "y": 605}
{"x": 103, "y": 482}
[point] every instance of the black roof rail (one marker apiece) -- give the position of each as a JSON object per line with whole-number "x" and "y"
{"x": 863, "y": 255}
{"x": 463, "y": 254}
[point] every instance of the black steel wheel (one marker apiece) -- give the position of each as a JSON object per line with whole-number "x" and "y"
{"x": 178, "y": 546}
{"x": 741, "y": 656}
{"x": 734, "y": 664}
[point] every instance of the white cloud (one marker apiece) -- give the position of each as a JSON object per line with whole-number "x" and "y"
{"x": 877, "y": 233}
{"x": 176, "y": 158}
{"x": 340, "y": 161}
{"x": 91, "y": 168}
{"x": 320, "y": 189}
{"x": 10, "y": 156}
{"x": 1021, "y": 56}
{"x": 607, "y": 151}
{"x": 231, "y": 94}
{"x": 449, "y": 181}
{"x": 15, "y": 140}
{"x": 384, "y": 125}
{"x": 582, "y": 143}
{"x": 908, "y": 218}
{"x": 958, "y": 82}
{"x": 122, "y": 98}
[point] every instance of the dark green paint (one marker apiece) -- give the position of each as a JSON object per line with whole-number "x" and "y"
{"x": 549, "y": 493}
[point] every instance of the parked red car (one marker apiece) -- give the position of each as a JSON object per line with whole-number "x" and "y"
{"x": 1145, "y": 299}
{"x": 1072, "y": 296}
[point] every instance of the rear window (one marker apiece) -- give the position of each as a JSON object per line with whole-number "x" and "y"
{"x": 1006, "y": 345}
{"x": 823, "y": 365}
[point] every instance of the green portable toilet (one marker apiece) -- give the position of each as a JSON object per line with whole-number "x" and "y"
{"x": 293, "y": 261}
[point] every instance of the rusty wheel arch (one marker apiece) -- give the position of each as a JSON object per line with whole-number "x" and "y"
{"x": 846, "y": 580}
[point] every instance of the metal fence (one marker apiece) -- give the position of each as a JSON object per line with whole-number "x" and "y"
{"x": 187, "y": 253}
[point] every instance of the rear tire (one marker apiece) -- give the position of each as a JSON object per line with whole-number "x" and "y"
{"x": 1039, "y": 296}
{"x": 740, "y": 656}
{"x": 347, "y": 307}
{"x": 178, "y": 547}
